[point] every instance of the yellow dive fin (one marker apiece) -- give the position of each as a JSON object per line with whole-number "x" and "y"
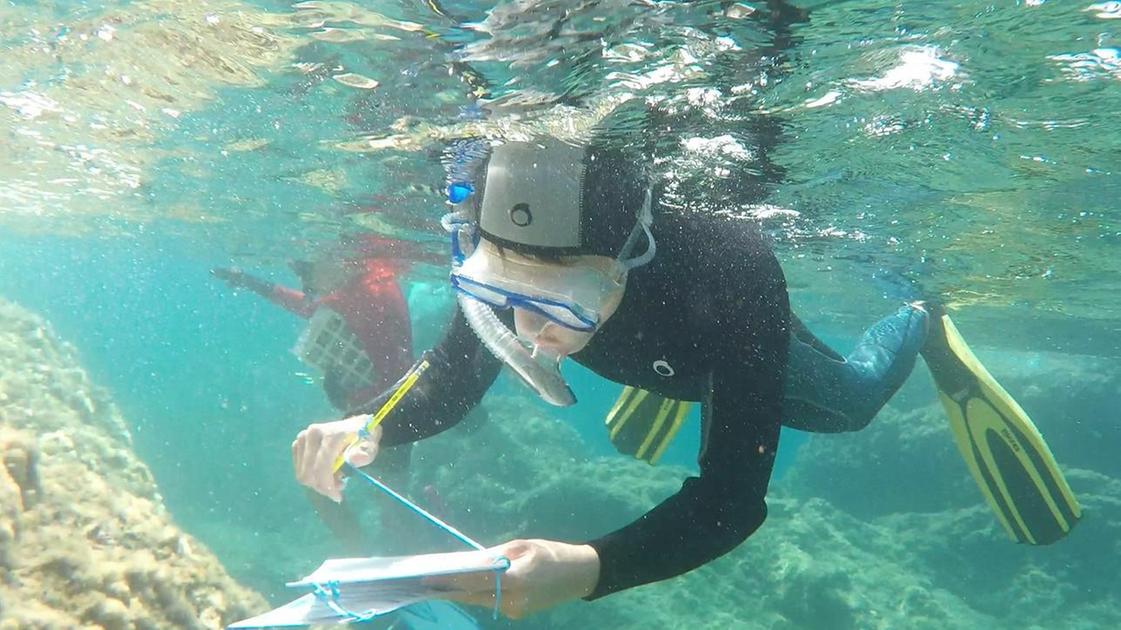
{"x": 1007, "y": 456}
{"x": 642, "y": 424}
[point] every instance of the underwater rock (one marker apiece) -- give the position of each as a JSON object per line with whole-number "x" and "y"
{"x": 84, "y": 537}
{"x": 1072, "y": 399}
{"x": 911, "y": 434}
{"x": 904, "y": 473}
{"x": 936, "y": 560}
{"x": 810, "y": 566}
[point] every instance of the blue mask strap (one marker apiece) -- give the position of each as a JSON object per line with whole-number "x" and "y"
{"x": 457, "y": 224}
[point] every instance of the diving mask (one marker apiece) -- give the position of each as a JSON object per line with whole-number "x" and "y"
{"x": 570, "y": 295}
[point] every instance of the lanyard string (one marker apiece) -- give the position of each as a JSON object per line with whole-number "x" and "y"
{"x": 329, "y": 593}
{"x": 416, "y": 508}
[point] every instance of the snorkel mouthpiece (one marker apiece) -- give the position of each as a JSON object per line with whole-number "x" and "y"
{"x": 539, "y": 370}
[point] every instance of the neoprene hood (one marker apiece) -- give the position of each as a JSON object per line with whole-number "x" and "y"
{"x": 550, "y": 198}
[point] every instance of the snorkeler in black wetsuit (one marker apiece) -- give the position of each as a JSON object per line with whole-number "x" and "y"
{"x": 697, "y": 323}
{"x": 573, "y": 243}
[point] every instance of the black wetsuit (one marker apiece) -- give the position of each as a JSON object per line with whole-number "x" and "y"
{"x": 707, "y": 321}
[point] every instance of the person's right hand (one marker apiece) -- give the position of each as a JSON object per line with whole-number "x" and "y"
{"x": 317, "y": 447}
{"x": 232, "y": 276}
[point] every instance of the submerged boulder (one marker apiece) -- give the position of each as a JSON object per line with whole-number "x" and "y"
{"x": 85, "y": 540}
{"x": 883, "y": 529}
{"x": 812, "y": 565}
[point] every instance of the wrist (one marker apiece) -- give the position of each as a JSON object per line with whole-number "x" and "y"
{"x": 358, "y": 422}
{"x": 586, "y": 569}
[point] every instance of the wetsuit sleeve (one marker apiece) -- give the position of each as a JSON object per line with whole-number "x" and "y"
{"x": 400, "y": 353}
{"x": 460, "y": 372}
{"x": 713, "y": 513}
{"x": 290, "y": 299}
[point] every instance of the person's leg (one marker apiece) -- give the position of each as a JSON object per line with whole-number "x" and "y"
{"x": 828, "y": 393}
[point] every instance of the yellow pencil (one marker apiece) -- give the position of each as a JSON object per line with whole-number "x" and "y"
{"x": 403, "y": 388}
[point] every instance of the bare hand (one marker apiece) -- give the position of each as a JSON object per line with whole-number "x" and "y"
{"x": 542, "y": 574}
{"x": 317, "y": 447}
{"x": 232, "y": 276}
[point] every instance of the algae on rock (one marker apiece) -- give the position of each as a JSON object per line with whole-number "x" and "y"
{"x": 85, "y": 540}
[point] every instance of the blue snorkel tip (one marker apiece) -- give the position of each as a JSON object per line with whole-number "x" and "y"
{"x": 458, "y": 192}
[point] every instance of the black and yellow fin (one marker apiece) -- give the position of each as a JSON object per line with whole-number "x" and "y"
{"x": 1005, "y": 453}
{"x": 642, "y": 424}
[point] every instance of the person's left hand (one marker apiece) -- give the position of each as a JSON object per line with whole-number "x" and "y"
{"x": 542, "y": 574}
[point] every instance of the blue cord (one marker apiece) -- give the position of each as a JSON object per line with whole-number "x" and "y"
{"x": 416, "y": 508}
{"x": 501, "y": 564}
{"x": 329, "y": 594}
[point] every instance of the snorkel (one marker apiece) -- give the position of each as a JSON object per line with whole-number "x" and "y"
{"x": 540, "y": 371}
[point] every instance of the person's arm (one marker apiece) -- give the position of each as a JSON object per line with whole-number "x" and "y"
{"x": 715, "y": 512}
{"x": 460, "y": 372}
{"x": 289, "y": 299}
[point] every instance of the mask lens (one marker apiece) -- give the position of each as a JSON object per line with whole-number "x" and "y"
{"x": 489, "y": 295}
{"x": 570, "y": 295}
{"x": 569, "y": 316}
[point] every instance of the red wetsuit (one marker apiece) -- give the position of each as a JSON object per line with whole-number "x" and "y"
{"x": 374, "y": 308}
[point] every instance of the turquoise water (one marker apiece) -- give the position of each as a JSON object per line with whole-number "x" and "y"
{"x": 968, "y": 151}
